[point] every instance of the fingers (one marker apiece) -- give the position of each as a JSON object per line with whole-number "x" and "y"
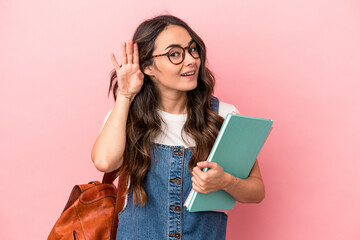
{"x": 136, "y": 54}
{"x": 196, "y": 180}
{"x": 195, "y": 184}
{"x": 114, "y": 62}
{"x": 140, "y": 74}
{"x": 198, "y": 185}
{"x": 130, "y": 52}
{"x": 124, "y": 59}
{"x": 128, "y": 56}
{"x": 199, "y": 173}
{"x": 206, "y": 164}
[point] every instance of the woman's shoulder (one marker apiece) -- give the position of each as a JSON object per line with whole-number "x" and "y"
{"x": 225, "y": 108}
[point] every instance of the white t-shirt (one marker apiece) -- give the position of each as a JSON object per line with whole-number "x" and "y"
{"x": 170, "y": 132}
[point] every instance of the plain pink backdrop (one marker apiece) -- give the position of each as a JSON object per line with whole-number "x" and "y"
{"x": 296, "y": 62}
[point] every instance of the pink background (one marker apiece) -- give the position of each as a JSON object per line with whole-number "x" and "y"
{"x": 296, "y": 62}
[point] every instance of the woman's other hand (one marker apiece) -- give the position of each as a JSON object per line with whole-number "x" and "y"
{"x": 210, "y": 181}
{"x": 129, "y": 76}
{"x": 249, "y": 190}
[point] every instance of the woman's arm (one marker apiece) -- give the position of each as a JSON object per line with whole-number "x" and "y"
{"x": 108, "y": 150}
{"x": 250, "y": 190}
{"x": 110, "y": 144}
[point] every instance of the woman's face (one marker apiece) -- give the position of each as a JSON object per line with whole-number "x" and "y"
{"x": 167, "y": 76}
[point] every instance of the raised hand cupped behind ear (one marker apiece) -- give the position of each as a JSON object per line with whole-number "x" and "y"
{"x": 129, "y": 76}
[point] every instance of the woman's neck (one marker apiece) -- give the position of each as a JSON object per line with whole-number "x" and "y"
{"x": 173, "y": 103}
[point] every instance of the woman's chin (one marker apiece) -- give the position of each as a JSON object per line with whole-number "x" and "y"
{"x": 190, "y": 87}
{"x": 191, "y": 84}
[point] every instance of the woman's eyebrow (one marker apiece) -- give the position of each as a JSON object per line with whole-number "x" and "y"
{"x": 178, "y": 45}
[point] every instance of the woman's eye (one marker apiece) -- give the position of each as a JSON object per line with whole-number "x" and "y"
{"x": 193, "y": 49}
{"x": 174, "y": 54}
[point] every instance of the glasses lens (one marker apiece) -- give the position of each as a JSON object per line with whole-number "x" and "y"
{"x": 194, "y": 52}
{"x": 176, "y": 55}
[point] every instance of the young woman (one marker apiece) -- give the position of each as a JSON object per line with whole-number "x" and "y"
{"x": 160, "y": 132}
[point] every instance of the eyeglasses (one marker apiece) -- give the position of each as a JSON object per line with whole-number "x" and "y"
{"x": 176, "y": 55}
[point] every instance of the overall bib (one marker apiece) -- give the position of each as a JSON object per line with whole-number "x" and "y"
{"x": 167, "y": 185}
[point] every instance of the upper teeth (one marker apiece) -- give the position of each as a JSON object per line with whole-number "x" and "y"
{"x": 187, "y": 74}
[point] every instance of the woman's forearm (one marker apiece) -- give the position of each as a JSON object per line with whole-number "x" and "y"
{"x": 109, "y": 146}
{"x": 250, "y": 190}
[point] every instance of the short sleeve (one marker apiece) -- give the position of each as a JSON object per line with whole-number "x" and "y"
{"x": 106, "y": 118}
{"x": 225, "y": 108}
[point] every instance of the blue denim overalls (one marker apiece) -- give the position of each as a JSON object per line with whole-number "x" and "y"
{"x": 167, "y": 185}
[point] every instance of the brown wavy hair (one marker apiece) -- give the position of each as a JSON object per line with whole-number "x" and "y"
{"x": 143, "y": 122}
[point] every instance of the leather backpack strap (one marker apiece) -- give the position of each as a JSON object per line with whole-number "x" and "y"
{"x": 120, "y": 203}
{"x": 109, "y": 178}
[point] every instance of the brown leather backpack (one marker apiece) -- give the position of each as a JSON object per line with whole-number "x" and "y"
{"x": 91, "y": 212}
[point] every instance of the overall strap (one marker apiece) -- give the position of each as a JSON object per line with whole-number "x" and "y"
{"x": 214, "y": 103}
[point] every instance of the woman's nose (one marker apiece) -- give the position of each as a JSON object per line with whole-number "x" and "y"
{"x": 188, "y": 59}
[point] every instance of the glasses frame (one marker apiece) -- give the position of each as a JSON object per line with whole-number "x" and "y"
{"x": 183, "y": 55}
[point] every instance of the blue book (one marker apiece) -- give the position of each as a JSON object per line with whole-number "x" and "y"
{"x": 236, "y": 148}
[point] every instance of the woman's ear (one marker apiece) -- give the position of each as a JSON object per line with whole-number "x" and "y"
{"x": 148, "y": 70}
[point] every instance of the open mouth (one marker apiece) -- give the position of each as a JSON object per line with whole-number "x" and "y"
{"x": 188, "y": 74}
